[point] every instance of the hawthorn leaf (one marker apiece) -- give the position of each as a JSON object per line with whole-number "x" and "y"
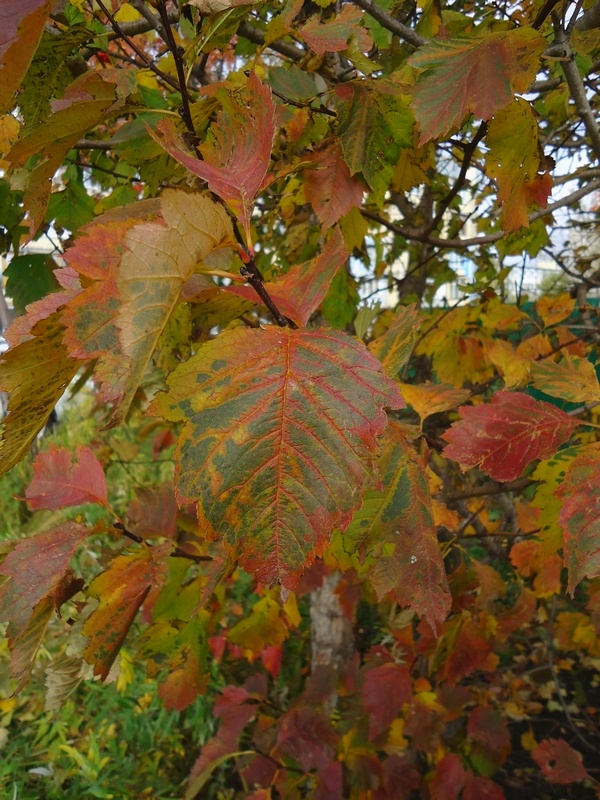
{"x": 82, "y": 106}
{"x": 506, "y": 435}
{"x": 374, "y": 124}
{"x": 120, "y": 591}
{"x": 153, "y": 512}
{"x": 328, "y": 185}
{"x": 280, "y": 433}
{"x": 469, "y": 651}
{"x": 30, "y": 399}
{"x": 307, "y": 735}
{"x": 559, "y": 762}
{"x": 301, "y": 291}
{"x": 25, "y": 644}
{"x": 579, "y": 516}
{"x": 263, "y": 626}
{"x": 21, "y": 27}
{"x": 395, "y": 528}
{"x": 59, "y": 480}
{"x": 513, "y": 160}
{"x": 572, "y": 379}
{"x": 481, "y": 788}
{"x": 555, "y": 309}
{"x": 488, "y": 740}
{"x": 449, "y": 778}
{"x": 35, "y": 568}
{"x": 432, "y": 398}
{"x": 63, "y": 676}
{"x": 476, "y": 74}
{"x": 186, "y": 675}
{"x": 236, "y": 156}
{"x": 159, "y": 258}
{"x": 333, "y": 35}
{"x": 385, "y": 690}
{"x": 393, "y": 348}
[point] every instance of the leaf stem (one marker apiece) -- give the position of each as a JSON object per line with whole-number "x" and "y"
{"x": 179, "y": 66}
{"x": 251, "y": 273}
{"x": 177, "y": 552}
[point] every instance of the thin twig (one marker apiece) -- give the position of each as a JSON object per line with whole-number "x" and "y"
{"x": 176, "y": 552}
{"x": 179, "y": 65}
{"x": 391, "y": 24}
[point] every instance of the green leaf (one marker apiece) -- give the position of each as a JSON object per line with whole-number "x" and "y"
{"x": 29, "y": 278}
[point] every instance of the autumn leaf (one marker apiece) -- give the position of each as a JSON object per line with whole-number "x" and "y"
{"x": 476, "y": 74}
{"x": 328, "y": 185}
{"x": 59, "y": 480}
{"x": 35, "y": 567}
{"x": 513, "y": 160}
{"x": 555, "y": 309}
{"x": 395, "y": 528}
{"x": 506, "y": 435}
{"x": 375, "y": 123}
{"x": 579, "y": 516}
{"x": 300, "y": 292}
{"x": 488, "y": 740}
{"x": 572, "y": 379}
{"x": 82, "y": 107}
{"x": 432, "y": 398}
{"x": 263, "y": 626}
{"x": 394, "y": 347}
{"x": 385, "y": 690}
{"x": 280, "y": 428}
{"x": 333, "y": 35}
{"x": 120, "y": 591}
{"x": 558, "y": 761}
{"x": 30, "y": 399}
{"x": 449, "y": 778}
{"x": 235, "y": 158}
{"x": 185, "y": 662}
{"x": 21, "y": 26}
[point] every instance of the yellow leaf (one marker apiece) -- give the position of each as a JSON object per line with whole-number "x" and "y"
{"x": 555, "y": 309}
{"x": 9, "y": 132}
{"x": 290, "y": 609}
{"x": 528, "y": 740}
{"x": 262, "y": 627}
{"x": 572, "y": 379}
{"x": 432, "y": 398}
{"x": 126, "y": 13}
{"x": 513, "y": 367}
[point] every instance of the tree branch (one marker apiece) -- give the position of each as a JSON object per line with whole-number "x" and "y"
{"x": 391, "y": 24}
{"x": 420, "y": 236}
{"x": 179, "y": 66}
{"x": 591, "y": 18}
{"x": 577, "y": 89}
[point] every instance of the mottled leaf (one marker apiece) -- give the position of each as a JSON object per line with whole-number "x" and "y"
{"x": 476, "y": 74}
{"x": 572, "y": 379}
{"x": 395, "y": 528}
{"x": 236, "y": 156}
{"x": 21, "y": 26}
{"x": 263, "y": 626}
{"x": 120, "y": 591}
{"x": 513, "y": 160}
{"x": 81, "y": 108}
{"x": 300, "y": 291}
{"x": 375, "y": 123}
{"x": 35, "y": 568}
{"x": 506, "y": 435}
{"x": 280, "y": 433}
{"x": 579, "y": 516}
{"x": 488, "y": 740}
{"x": 59, "y": 480}
{"x": 558, "y": 761}
{"x": 187, "y": 673}
{"x": 328, "y": 185}
{"x": 333, "y": 35}
{"x": 394, "y": 347}
{"x": 30, "y": 399}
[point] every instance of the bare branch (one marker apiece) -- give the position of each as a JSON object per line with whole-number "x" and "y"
{"x": 391, "y": 24}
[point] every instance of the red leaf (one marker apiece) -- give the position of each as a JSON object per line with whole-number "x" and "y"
{"x": 489, "y": 743}
{"x": 476, "y": 74}
{"x": 280, "y": 432}
{"x": 559, "y": 762}
{"x": 449, "y": 778}
{"x": 307, "y": 736}
{"x": 35, "y": 568}
{"x": 579, "y": 516}
{"x": 503, "y": 437}
{"x": 59, "y": 480}
{"x": 153, "y": 512}
{"x": 236, "y": 158}
{"x": 329, "y": 187}
{"x": 385, "y": 690}
{"x": 469, "y": 653}
{"x": 477, "y": 788}
{"x": 300, "y": 291}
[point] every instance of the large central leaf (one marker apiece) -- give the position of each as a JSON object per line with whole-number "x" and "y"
{"x": 280, "y": 436}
